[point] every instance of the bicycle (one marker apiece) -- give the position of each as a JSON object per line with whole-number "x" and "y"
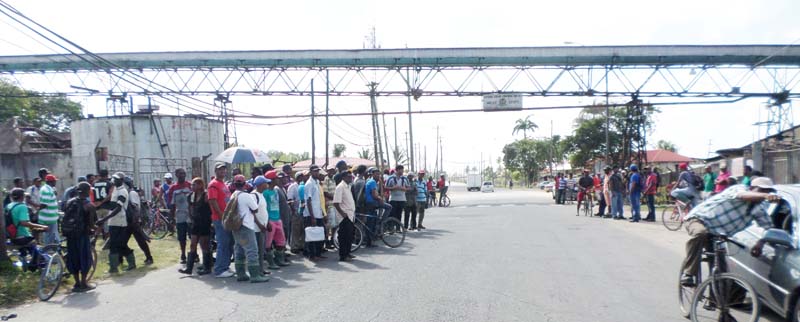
{"x": 51, "y": 267}
{"x": 444, "y": 199}
{"x": 157, "y": 222}
{"x": 61, "y": 249}
{"x": 586, "y": 203}
{"x": 723, "y": 296}
{"x": 674, "y": 217}
{"x": 390, "y": 231}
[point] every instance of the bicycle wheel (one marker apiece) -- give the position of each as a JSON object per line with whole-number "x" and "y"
{"x": 392, "y": 232}
{"x": 671, "y": 217}
{"x": 51, "y": 277}
{"x": 158, "y": 228}
{"x": 587, "y": 207}
{"x": 357, "y": 239}
{"x": 725, "y": 297}
{"x": 446, "y": 201}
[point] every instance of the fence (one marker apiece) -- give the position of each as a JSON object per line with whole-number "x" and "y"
{"x": 151, "y": 169}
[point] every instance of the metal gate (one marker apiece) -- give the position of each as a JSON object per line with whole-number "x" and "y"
{"x": 120, "y": 163}
{"x": 151, "y": 169}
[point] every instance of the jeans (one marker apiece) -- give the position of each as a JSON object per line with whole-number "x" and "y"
{"x": 397, "y": 209}
{"x": 602, "y": 204}
{"x": 686, "y": 195}
{"x": 224, "y": 248}
{"x": 617, "y": 204}
{"x": 561, "y": 196}
{"x": 246, "y": 246}
{"x": 410, "y": 210}
{"x": 636, "y": 204}
{"x": 51, "y": 235}
{"x": 651, "y": 207}
{"x": 31, "y": 249}
{"x": 372, "y": 223}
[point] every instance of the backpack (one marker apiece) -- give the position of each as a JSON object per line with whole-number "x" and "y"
{"x": 72, "y": 223}
{"x": 698, "y": 182}
{"x": 11, "y": 229}
{"x": 616, "y": 183}
{"x": 230, "y": 217}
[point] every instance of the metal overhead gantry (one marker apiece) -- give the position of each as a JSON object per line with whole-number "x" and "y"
{"x": 769, "y": 71}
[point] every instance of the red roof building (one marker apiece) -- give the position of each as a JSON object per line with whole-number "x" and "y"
{"x": 666, "y": 156}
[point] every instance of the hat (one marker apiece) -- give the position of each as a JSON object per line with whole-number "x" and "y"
{"x": 84, "y": 187}
{"x": 341, "y": 163}
{"x": 683, "y": 166}
{"x": 763, "y": 183}
{"x": 271, "y": 174}
{"x": 239, "y": 179}
{"x": 313, "y": 167}
{"x": 267, "y": 167}
{"x": 633, "y": 167}
{"x": 282, "y": 174}
{"x": 261, "y": 180}
{"x": 723, "y": 166}
{"x": 220, "y": 165}
{"x": 168, "y": 175}
{"x": 371, "y": 170}
{"x": 82, "y": 179}
{"x": 119, "y": 175}
{"x": 411, "y": 174}
{"x": 50, "y": 177}
{"x": 298, "y": 175}
{"x": 421, "y": 171}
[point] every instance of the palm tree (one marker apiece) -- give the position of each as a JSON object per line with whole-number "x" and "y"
{"x": 524, "y": 125}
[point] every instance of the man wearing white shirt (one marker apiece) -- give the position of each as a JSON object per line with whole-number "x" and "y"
{"x": 346, "y": 208}
{"x": 246, "y": 247}
{"x": 314, "y": 212}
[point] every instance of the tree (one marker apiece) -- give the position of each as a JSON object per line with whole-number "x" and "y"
{"x": 286, "y": 157}
{"x": 48, "y": 113}
{"x": 666, "y": 145}
{"x": 365, "y": 154}
{"x": 527, "y": 157}
{"x": 338, "y": 150}
{"x": 524, "y": 125}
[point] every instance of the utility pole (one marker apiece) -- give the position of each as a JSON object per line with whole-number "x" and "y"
{"x": 426, "y": 156}
{"x": 327, "y": 112}
{"x": 608, "y": 121}
{"x": 410, "y": 126}
{"x": 436, "y": 147}
{"x": 396, "y": 150}
{"x": 386, "y": 141}
{"x": 376, "y": 133}
{"x": 313, "y": 144}
{"x": 408, "y": 153}
{"x": 441, "y": 154}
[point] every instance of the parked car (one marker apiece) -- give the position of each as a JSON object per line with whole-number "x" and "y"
{"x": 487, "y": 186}
{"x": 549, "y": 187}
{"x": 775, "y": 275}
{"x": 543, "y": 184}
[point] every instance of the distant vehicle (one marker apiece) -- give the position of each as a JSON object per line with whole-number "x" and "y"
{"x": 474, "y": 182}
{"x": 549, "y": 187}
{"x": 488, "y": 186}
{"x": 543, "y": 184}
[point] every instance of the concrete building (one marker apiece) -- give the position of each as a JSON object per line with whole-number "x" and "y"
{"x": 777, "y": 156}
{"x": 25, "y": 149}
{"x": 146, "y": 146}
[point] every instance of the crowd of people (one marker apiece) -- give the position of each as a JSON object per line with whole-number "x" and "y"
{"x": 257, "y": 223}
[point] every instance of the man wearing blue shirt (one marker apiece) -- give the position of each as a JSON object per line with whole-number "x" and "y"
{"x": 374, "y": 201}
{"x": 635, "y": 188}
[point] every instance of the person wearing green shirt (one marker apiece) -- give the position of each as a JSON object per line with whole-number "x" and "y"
{"x": 48, "y": 215}
{"x": 708, "y": 182}
{"x": 748, "y": 172}
{"x": 21, "y": 219}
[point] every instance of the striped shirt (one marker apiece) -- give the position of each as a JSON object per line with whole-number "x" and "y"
{"x": 49, "y": 214}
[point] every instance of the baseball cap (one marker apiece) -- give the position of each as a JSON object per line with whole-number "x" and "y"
{"x": 371, "y": 170}
{"x": 723, "y": 166}
{"x": 763, "y": 183}
{"x": 220, "y": 165}
{"x": 84, "y": 187}
{"x": 282, "y": 174}
{"x": 119, "y": 175}
{"x": 261, "y": 180}
{"x": 313, "y": 167}
{"x": 168, "y": 175}
{"x": 683, "y": 166}
{"x": 421, "y": 171}
{"x": 633, "y": 167}
{"x": 82, "y": 179}
{"x": 239, "y": 179}
{"x": 298, "y": 175}
{"x": 50, "y": 177}
{"x": 271, "y": 174}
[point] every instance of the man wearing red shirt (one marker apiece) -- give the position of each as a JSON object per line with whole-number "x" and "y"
{"x": 218, "y": 196}
{"x": 651, "y": 186}
{"x": 431, "y": 192}
{"x": 441, "y": 185}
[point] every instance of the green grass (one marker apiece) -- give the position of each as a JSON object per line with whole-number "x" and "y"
{"x": 18, "y": 287}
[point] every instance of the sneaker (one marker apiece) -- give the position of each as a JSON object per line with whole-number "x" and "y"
{"x": 148, "y": 261}
{"x": 183, "y": 259}
{"x": 687, "y": 280}
{"x": 422, "y": 227}
{"x": 224, "y": 274}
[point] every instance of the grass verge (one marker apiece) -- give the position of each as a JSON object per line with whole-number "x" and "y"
{"x": 18, "y": 287}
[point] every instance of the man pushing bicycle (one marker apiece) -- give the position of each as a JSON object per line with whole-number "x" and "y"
{"x": 585, "y": 188}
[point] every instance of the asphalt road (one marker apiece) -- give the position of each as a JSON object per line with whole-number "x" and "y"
{"x": 503, "y": 256}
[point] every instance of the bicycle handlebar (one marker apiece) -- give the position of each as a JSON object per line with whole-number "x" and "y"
{"x": 728, "y": 239}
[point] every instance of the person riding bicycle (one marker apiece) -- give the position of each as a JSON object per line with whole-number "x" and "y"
{"x": 585, "y": 187}
{"x": 726, "y": 213}
{"x": 21, "y": 220}
{"x": 686, "y": 190}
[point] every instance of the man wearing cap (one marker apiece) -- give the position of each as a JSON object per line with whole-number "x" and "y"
{"x": 726, "y": 213}
{"x": 297, "y": 239}
{"x": 686, "y": 190}
{"x": 722, "y": 179}
{"x": 421, "y": 196}
{"x": 346, "y": 208}
{"x": 246, "y": 250}
{"x": 708, "y": 182}
{"x": 48, "y": 215}
{"x": 165, "y": 188}
{"x": 285, "y": 211}
{"x": 314, "y": 213}
{"x": 218, "y": 197}
{"x": 261, "y": 184}
{"x": 117, "y": 224}
{"x": 606, "y": 200}
{"x": 398, "y": 185}
{"x": 276, "y": 238}
{"x": 20, "y": 217}
{"x": 617, "y": 186}
{"x": 650, "y": 189}
{"x": 585, "y": 184}
{"x": 374, "y": 201}
{"x": 635, "y": 189}
{"x": 410, "y": 207}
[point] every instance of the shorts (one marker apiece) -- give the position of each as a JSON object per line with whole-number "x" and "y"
{"x": 581, "y": 195}
{"x": 276, "y": 235}
{"x": 183, "y": 230}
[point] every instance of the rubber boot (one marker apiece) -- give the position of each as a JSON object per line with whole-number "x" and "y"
{"x": 270, "y": 256}
{"x": 131, "y": 262}
{"x": 255, "y": 274}
{"x": 189, "y": 264}
{"x": 208, "y": 262}
{"x": 280, "y": 258}
{"x": 419, "y": 225}
{"x": 241, "y": 274}
{"x": 113, "y": 263}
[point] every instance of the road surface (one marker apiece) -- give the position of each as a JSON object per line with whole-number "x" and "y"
{"x": 503, "y": 256}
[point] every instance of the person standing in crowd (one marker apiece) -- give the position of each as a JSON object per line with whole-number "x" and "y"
{"x": 285, "y": 211}
{"x": 562, "y": 189}
{"x": 135, "y": 219}
{"x": 32, "y": 198}
{"x": 635, "y": 187}
{"x": 421, "y": 198}
{"x": 708, "y": 183}
{"x": 431, "y": 192}
{"x": 117, "y": 223}
{"x": 69, "y": 193}
{"x": 200, "y": 213}
{"x": 43, "y": 172}
{"x": 748, "y": 173}
{"x": 329, "y": 187}
{"x": 18, "y": 183}
{"x": 79, "y": 217}
{"x": 254, "y": 173}
{"x": 510, "y": 184}
{"x": 571, "y": 184}
{"x": 617, "y": 186}
{"x": 262, "y": 196}
{"x": 165, "y": 189}
{"x": 297, "y": 244}
{"x": 410, "y": 207}
{"x": 246, "y": 246}
{"x": 178, "y": 194}
{"x": 345, "y": 206}
{"x": 20, "y": 217}
{"x": 686, "y": 190}
{"x": 102, "y": 189}
{"x": 314, "y": 214}
{"x": 607, "y": 192}
{"x": 157, "y": 196}
{"x": 276, "y": 238}
{"x": 48, "y": 215}
{"x": 218, "y": 197}
{"x": 650, "y": 190}
{"x": 397, "y": 184}
{"x": 721, "y": 183}
{"x": 357, "y": 189}
{"x": 600, "y": 195}
{"x": 287, "y": 169}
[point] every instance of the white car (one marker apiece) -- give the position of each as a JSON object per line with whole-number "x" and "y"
{"x": 544, "y": 184}
{"x": 487, "y": 186}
